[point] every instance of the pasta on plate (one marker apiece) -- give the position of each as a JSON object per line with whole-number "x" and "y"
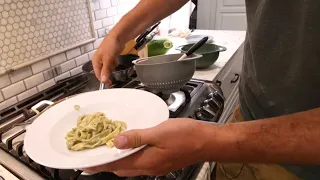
{"x": 93, "y": 130}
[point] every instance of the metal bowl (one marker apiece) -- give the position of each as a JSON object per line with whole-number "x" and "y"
{"x": 210, "y": 54}
{"x": 164, "y": 73}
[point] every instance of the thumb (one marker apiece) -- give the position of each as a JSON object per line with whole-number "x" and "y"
{"x": 105, "y": 73}
{"x": 133, "y": 139}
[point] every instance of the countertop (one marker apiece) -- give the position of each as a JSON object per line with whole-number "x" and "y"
{"x": 229, "y": 39}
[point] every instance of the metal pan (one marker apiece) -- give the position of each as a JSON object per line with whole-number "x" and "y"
{"x": 165, "y": 73}
{"x": 121, "y": 73}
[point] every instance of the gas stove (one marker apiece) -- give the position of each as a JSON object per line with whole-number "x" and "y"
{"x": 200, "y": 100}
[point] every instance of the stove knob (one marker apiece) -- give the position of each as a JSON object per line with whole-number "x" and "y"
{"x": 217, "y": 96}
{"x": 213, "y": 105}
{"x": 203, "y": 114}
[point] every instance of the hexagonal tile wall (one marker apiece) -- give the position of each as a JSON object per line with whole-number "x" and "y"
{"x": 34, "y": 29}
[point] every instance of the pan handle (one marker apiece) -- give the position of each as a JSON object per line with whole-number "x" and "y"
{"x": 39, "y": 104}
{"x": 136, "y": 61}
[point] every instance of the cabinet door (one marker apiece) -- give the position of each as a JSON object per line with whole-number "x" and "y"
{"x": 230, "y": 74}
{"x": 231, "y": 15}
{"x": 221, "y": 15}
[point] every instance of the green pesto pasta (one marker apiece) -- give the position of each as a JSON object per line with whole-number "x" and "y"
{"x": 93, "y": 130}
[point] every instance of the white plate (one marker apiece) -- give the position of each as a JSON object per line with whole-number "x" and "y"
{"x": 44, "y": 141}
{"x": 192, "y": 39}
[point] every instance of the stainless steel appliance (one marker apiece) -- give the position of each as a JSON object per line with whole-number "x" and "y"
{"x": 200, "y": 100}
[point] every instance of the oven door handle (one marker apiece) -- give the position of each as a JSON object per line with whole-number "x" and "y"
{"x": 39, "y": 104}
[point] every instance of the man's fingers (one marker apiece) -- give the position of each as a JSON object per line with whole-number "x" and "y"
{"x": 105, "y": 72}
{"x": 97, "y": 65}
{"x": 142, "y": 159}
{"x": 134, "y": 138}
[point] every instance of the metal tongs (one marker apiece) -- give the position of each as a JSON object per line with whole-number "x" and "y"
{"x": 102, "y": 85}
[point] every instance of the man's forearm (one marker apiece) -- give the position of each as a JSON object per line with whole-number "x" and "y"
{"x": 144, "y": 15}
{"x": 291, "y": 139}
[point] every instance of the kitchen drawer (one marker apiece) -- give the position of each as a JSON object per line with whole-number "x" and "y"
{"x": 230, "y": 74}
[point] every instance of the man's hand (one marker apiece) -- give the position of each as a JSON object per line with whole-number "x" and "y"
{"x": 172, "y": 145}
{"x": 129, "y": 27}
{"x": 105, "y": 58}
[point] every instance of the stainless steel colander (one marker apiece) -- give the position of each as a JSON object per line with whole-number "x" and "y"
{"x": 165, "y": 73}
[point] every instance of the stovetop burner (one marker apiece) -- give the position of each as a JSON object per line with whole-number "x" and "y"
{"x": 197, "y": 99}
{"x": 176, "y": 101}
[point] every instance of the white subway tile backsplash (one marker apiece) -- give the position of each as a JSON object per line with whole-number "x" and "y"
{"x": 68, "y": 65}
{"x": 100, "y": 14}
{"x": 34, "y": 80}
{"x": 82, "y": 59}
{"x": 76, "y": 70}
{"x": 95, "y": 5}
{"x": 8, "y": 103}
{"x": 62, "y": 76}
{"x": 58, "y": 59}
{"x": 73, "y": 53}
{"x": 105, "y": 4}
{"x": 27, "y": 94}
{"x": 97, "y": 43}
{"x": 86, "y": 48}
{"x": 4, "y": 81}
{"x": 13, "y": 89}
{"x": 107, "y": 21}
{"x": 112, "y": 11}
{"x": 91, "y": 54}
{"x": 51, "y": 73}
{"x": 114, "y": 2}
{"x": 46, "y": 85}
{"x": 116, "y": 19}
{"x": 20, "y": 74}
{"x": 40, "y": 66}
{"x": 97, "y": 24}
{"x": 110, "y": 27}
{"x": 124, "y": 8}
{"x": 102, "y": 33}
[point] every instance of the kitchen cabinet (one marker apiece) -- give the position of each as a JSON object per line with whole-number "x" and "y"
{"x": 221, "y": 14}
{"x": 230, "y": 74}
